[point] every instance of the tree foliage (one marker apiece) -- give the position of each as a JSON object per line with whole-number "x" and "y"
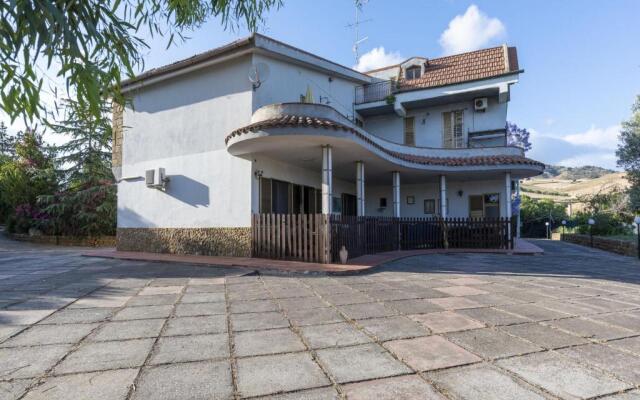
{"x": 91, "y": 42}
{"x": 517, "y": 136}
{"x": 535, "y": 212}
{"x": 628, "y": 154}
{"x": 86, "y": 201}
{"x": 24, "y": 178}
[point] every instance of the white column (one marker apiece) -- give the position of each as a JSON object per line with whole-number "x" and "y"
{"x": 396, "y": 194}
{"x": 519, "y": 208}
{"x": 360, "y": 188}
{"x": 507, "y": 189}
{"x": 443, "y": 196}
{"x": 327, "y": 179}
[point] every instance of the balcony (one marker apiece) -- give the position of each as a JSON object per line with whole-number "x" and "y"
{"x": 375, "y": 91}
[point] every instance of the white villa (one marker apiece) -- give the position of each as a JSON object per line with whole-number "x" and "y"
{"x": 258, "y": 127}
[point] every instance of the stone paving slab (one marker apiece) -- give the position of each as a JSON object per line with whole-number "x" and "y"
{"x": 492, "y": 317}
{"x": 121, "y": 330}
{"x": 389, "y": 328}
{"x": 561, "y": 376}
{"x": 590, "y": 329}
{"x": 250, "y": 322}
{"x": 196, "y": 325}
{"x": 106, "y": 385}
{"x": 543, "y": 335}
{"x": 278, "y": 373}
{"x": 50, "y": 334}
{"x": 30, "y": 362}
{"x": 490, "y": 343}
{"x": 623, "y": 365}
{"x": 431, "y": 352}
{"x": 99, "y": 356}
{"x": 173, "y": 349}
{"x": 14, "y": 389}
{"x": 333, "y": 335}
{"x": 410, "y": 387}
{"x": 197, "y": 381}
{"x": 79, "y": 316}
{"x": 447, "y": 321}
{"x": 273, "y": 341}
{"x": 482, "y": 382}
{"x": 358, "y": 363}
{"x": 326, "y": 393}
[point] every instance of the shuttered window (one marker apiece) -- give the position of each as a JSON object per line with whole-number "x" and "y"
{"x": 409, "y": 131}
{"x": 453, "y": 129}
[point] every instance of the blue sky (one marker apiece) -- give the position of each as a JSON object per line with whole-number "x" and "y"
{"x": 581, "y": 58}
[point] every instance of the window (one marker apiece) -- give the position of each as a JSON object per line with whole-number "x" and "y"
{"x": 411, "y": 200}
{"x": 412, "y": 73}
{"x": 452, "y": 133}
{"x": 336, "y": 205}
{"x": 383, "y": 202}
{"x": 430, "y": 206}
{"x": 409, "y": 131}
{"x": 484, "y": 206}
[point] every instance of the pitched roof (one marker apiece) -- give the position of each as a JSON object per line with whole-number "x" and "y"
{"x": 457, "y": 68}
{"x": 287, "y": 121}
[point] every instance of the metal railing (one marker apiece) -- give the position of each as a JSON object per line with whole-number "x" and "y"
{"x": 374, "y": 91}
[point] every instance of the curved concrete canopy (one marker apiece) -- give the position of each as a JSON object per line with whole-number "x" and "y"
{"x": 294, "y": 133}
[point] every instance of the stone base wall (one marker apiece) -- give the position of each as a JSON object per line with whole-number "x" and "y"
{"x": 233, "y": 242}
{"x": 624, "y": 247}
{"x": 81, "y": 241}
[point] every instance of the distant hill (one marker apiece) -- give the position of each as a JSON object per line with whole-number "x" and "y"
{"x": 572, "y": 173}
{"x": 566, "y": 184}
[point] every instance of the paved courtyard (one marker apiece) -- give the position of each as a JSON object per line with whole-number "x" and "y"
{"x": 562, "y": 325}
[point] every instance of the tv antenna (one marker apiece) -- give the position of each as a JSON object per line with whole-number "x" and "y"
{"x": 356, "y": 27}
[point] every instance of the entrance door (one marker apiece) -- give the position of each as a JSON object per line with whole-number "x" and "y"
{"x": 349, "y": 204}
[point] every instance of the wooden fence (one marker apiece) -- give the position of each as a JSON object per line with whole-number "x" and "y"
{"x": 290, "y": 237}
{"x": 319, "y": 238}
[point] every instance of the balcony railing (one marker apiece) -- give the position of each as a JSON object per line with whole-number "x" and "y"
{"x": 374, "y": 91}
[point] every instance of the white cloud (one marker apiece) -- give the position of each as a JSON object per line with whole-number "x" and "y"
{"x": 605, "y": 160}
{"x": 471, "y": 31}
{"x": 606, "y": 138}
{"x": 595, "y": 146}
{"x": 377, "y": 58}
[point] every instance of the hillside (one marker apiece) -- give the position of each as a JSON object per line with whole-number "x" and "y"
{"x": 570, "y": 173}
{"x": 565, "y": 184}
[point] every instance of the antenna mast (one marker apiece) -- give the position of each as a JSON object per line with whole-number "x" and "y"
{"x": 356, "y": 27}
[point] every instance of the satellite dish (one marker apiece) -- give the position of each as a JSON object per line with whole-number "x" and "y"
{"x": 258, "y": 74}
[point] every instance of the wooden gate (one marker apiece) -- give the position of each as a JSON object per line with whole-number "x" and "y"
{"x": 300, "y": 237}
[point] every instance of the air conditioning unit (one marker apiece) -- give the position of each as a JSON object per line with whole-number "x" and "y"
{"x": 480, "y": 104}
{"x": 156, "y": 178}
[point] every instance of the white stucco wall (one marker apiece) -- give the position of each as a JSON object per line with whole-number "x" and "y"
{"x": 180, "y": 125}
{"x": 429, "y": 122}
{"x": 288, "y": 81}
{"x": 458, "y": 205}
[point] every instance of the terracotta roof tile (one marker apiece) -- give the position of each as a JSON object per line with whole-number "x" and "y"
{"x": 305, "y": 121}
{"x": 474, "y": 65}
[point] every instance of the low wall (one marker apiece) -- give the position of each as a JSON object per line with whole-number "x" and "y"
{"x": 81, "y": 241}
{"x": 233, "y": 242}
{"x": 624, "y": 247}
